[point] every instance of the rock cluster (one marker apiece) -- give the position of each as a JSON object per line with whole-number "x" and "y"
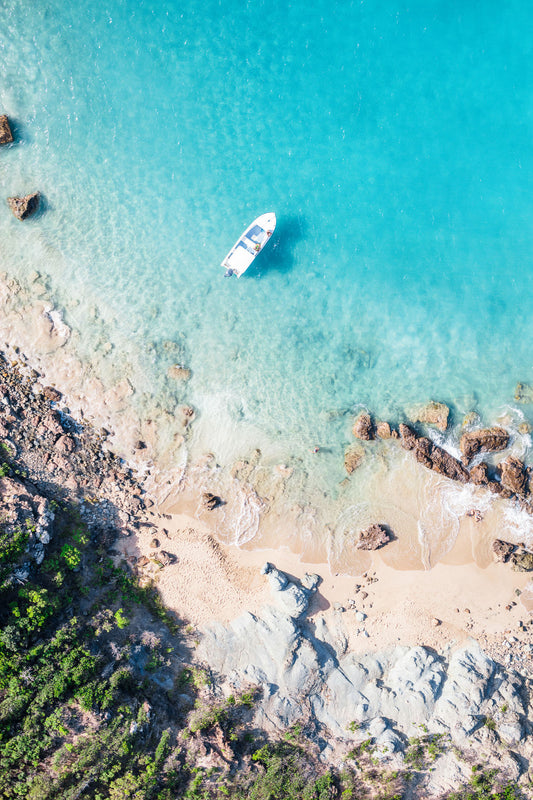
{"x": 47, "y": 441}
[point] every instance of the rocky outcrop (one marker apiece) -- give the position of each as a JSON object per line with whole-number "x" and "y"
{"x": 486, "y": 440}
{"x": 24, "y": 207}
{"x": 353, "y": 456}
{"x": 373, "y": 538}
{"x": 363, "y": 427}
{"x": 6, "y": 137}
{"x": 431, "y": 414}
{"x": 385, "y": 696}
{"x": 514, "y": 477}
{"x": 502, "y": 550}
{"x": 432, "y": 456}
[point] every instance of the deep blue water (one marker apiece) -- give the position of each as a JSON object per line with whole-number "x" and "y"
{"x": 393, "y": 141}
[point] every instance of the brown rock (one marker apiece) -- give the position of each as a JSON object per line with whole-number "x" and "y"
{"x": 52, "y": 394}
{"x": 383, "y": 430}
{"x": 154, "y": 543}
{"x": 431, "y": 413}
{"x": 65, "y": 444}
{"x": 187, "y": 415}
{"x": 432, "y": 456}
{"x": 179, "y": 373}
{"x": 5, "y": 131}
{"x": 363, "y": 428}
{"x": 23, "y": 207}
{"x": 514, "y": 476}
{"x": 435, "y": 622}
{"x": 408, "y": 436}
{"x": 373, "y": 538}
{"x": 524, "y": 428}
{"x": 142, "y": 561}
{"x": 210, "y": 501}
{"x": 480, "y": 474}
{"x": 502, "y": 550}
{"x": 139, "y": 445}
{"x": 486, "y": 440}
{"x": 353, "y": 457}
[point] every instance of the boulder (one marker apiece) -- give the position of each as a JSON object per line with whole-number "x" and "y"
{"x": 408, "y": 436}
{"x": 23, "y": 207}
{"x": 431, "y": 414}
{"x": 6, "y": 137}
{"x": 363, "y": 428}
{"x": 523, "y": 393}
{"x": 383, "y": 430}
{"x": 373, "y": 538}
{"x": 65, "y": 444}
{"x": 353, "y": 457}
{"x": 210, "y": 501}
{"x": 480, "y": 474}
{"x": 522, "y": 561}
{"x": 502, "y": 550}
{"x": 514, "y": 476}
{"x": 432, "y": 456}
{"x": 486, "y": 440}
{"x": 52, "y": 394}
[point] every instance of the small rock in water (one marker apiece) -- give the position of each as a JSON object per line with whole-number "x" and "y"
{"x": 23, "y": 207}
{"x": 373, "y": 538}
{"x": 383, "y": 430}
{"x": 210, "y": 501}
{"x": 363, "y": 428}
{"x": 179, "y": 373}
{"x": 353, "y": 457}
{"x": 523, "y": 393}
{"x": 6, "y": 137}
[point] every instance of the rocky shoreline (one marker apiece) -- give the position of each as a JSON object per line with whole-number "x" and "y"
{"x": 300, "y": 667}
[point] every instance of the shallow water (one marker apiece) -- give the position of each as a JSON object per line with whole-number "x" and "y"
{"x": 392, "y": 140}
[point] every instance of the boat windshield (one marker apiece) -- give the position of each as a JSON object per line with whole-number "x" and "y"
{"x": 256, "y": 234}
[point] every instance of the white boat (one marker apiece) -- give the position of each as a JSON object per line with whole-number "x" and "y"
{"x": 250, "y": 244}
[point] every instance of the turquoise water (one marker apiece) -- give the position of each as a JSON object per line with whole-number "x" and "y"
{"x": 393, "y": 141}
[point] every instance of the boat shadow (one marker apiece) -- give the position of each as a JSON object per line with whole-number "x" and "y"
{"x": 279, "y": 256}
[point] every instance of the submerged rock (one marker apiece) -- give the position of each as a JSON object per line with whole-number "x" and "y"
{"x": 23, "y": 207}
{"x": 486, "y": 440}
{"x": 179, "y": 373}
{"x": 514, "y": 476}
{"x": 353, "y": 457}
{"x": 363, "y": 428}
{"x": 373, "y": 538}
{"x": 431, "y": 414}
{"x": 502, "y": 550}
{"x": 523, "y": 393}
{"x": 6, "y": 137}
